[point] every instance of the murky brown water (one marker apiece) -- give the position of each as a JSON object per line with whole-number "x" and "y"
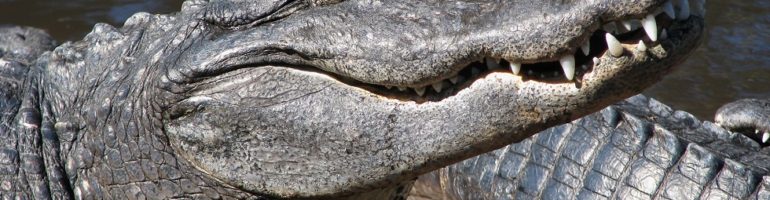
{"x": 733, "y": 62}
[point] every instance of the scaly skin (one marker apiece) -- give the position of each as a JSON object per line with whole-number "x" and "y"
{"x": 636, "y": 149}
{"x": 238, "y": 99}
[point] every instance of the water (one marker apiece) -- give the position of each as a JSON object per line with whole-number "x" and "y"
{"x": 71, "y": 20}
{"x": 732, "y": 63}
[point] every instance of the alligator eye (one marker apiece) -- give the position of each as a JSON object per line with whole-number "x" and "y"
{"x": 235, "y": 14}
{"x": 230, "y": 14}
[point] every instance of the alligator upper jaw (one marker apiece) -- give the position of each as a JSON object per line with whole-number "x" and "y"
{"x": 429, "y": 57}
{"x": 412, "y": 44}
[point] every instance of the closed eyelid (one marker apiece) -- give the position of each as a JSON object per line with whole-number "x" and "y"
{"x": 243, "y": 13}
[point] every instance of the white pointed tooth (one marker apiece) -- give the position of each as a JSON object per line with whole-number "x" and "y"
{"x": 765, "y": 137}
{"x": 438, "y": 86}
{"x": 663, "y": 34}
{"x": 596, "y": 60}
{"x": 420, "y": 91}
{"x": 684, "y": 10}
{"x": 627, "y": 24}
{"x": 641, "y": 46}
{"x": 613, "y": 45}
{"x": 515, "y": 67}
{"x": 492, "y": 63}
{"x": 400, "y": 88}
{"x": 586, "y": 47}
{"x": 668, "y": 8}
{"x": 454, "y": 79}
{"x": 650, "y": 27}
{"x": 568, "y": 65}
{"x": 756, "y": 131}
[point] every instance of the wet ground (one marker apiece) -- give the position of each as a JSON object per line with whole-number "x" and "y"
{"x": 732, "y": 63}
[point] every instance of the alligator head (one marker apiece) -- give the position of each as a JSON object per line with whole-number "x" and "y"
{"x": 329, "y": 97}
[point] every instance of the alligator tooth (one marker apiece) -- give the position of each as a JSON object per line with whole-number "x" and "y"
{"x": 628, "y": 24}
{"x": 530, "y": 72}
{"x": 515, "y": 67}
{"x": 610, "y": 28}
{"x": 584, "y": 67}
{"x": 596, "y": 60}
{"x": 684, "y": 10}
{"x": 454, "y": 79}
{"x": 613, "y": 45}
{"x": 641, "y": 46}
{"x": 651, "y": 27}
{"x": 756, "y": 131}
{"x": 438, "y": 86}
{"x": 492, "y": 63}
{"x": 586, "y": 47}
{"x": 663, "y": 34}
{"x": 420, "y": 91}
{"x": 568, "y": 65}
{"x": 400, "y": 88}
{"x": 668, "y": 8}
{"x": 765, "y": 137}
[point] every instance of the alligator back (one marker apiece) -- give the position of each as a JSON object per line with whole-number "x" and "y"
{"x": 636, "y": 149}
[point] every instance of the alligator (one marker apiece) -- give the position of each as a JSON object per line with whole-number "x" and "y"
{"x": 339, "y": 99}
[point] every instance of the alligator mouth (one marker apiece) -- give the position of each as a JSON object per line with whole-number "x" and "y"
{"x": 613, "y": 39}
